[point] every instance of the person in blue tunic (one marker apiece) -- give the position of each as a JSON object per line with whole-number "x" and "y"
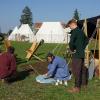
{"x": 57, "y": 69}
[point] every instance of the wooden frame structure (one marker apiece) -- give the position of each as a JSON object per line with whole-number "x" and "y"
{"x": 98, "y": 34}
{"x": 99, "y": 53}
{"x": 33, "y": 49}
{"x": 87, "y": 52}
{"x": 7, "y": 43}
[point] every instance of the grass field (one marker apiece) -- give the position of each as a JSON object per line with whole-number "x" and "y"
{"x": 28, "y": 89}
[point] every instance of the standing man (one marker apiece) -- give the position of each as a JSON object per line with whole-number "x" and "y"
{"x": 77, "y": 45}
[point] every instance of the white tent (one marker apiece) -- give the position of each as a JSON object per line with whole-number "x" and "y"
{"x": 51, "y": 32}
{"x": 26, "y": 32}
{"x": 13, "y": 34}
{"x": 67, "y": 37}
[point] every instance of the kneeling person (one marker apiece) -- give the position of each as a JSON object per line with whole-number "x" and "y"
{"x": 57, "y": 69}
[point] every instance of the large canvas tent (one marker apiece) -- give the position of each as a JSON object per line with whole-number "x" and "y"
{"x": 26, "y": 32}
{"x": 67, "y": 36}
{"x": 12, "y": 36}
{"x": 51, "y": 32}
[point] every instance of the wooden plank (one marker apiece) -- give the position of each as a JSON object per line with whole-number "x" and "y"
{"x": 31, "y": 50}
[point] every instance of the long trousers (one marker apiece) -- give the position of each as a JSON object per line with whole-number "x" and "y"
{"x": 80, "y": 72}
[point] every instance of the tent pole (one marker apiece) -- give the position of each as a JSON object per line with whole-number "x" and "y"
{"x": 99, "y": 51}
{"x": 95, "y": 44}
{"x": 98, "y": 31}
{"x": 87, "y": 48}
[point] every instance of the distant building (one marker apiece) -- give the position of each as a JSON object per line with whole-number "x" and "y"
{"x": 37, "y": 25}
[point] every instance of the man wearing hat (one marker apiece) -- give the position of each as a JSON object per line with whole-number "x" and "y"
{"x": 77, "y": 45}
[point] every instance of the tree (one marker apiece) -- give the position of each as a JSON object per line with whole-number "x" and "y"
{"x": 9, "y": 32}
{"x": 76, "y": 15}
{"x": 26, "y": 17}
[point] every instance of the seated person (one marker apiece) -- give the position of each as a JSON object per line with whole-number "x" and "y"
{"x": 57, "y": 69}
{"x": 7, "y": 64}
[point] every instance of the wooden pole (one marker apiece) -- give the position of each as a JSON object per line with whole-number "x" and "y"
{"x": 98, "y": 31}
{"x": 87, "y": 48}
{"x": 99, "y": 51}
{"x": 95, "y": 44}
{"x": 7, "y": 43}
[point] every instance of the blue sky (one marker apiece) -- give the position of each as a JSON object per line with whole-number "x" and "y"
{"x": 45, "y": 10}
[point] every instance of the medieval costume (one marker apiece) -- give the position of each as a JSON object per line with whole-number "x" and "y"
{"x": 77, "y": 44}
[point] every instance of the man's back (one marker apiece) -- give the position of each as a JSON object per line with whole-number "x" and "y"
{"x": 78, "y": 42}
{"x": 60, "y": 61}
{"x": 7, "y": 64}
{"x": 59, "y": 67}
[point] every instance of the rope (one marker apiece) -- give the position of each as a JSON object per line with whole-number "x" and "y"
{"x": 91, "y": 38}
{"x": 34, "y": 70}
{"x": 95, "y": 44}
{"x": 59, "y": 49}
{"x": 53, "y": 51}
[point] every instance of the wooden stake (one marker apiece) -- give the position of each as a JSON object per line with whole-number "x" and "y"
{"x": 7, "y": 43}
{"x": 99, "y": 51}
{"x": 87, "y": 48}
{"x": 98, "y": 31}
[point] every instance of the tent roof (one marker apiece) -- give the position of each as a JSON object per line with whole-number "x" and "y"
{"x": 37, "y": 25}
{"x": 51, "y": 28}
{"x": 92, "y": 20}
{"x": 91, "y": 24}
{"x": 25, "y": 29}
{"x": 15, "y": 30}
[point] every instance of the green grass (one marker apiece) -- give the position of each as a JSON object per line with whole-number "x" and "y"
{"x": 22, "y": 47}
{"x": 28, "y": 89}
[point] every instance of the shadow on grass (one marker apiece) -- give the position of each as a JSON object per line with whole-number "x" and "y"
{"x": 20, "y": 61}
{"x": 21, "y": 75}
{"x": 39, "y": 54}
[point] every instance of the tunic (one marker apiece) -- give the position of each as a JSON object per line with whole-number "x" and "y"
{"x": 78, "y": 42}
{"x": 58, "y": 69}
{"x": 7, "y": 64}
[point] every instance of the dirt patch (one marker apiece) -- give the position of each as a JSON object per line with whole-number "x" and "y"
{"x": 40, "y": 67}
{"x": 37, "y": 68}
